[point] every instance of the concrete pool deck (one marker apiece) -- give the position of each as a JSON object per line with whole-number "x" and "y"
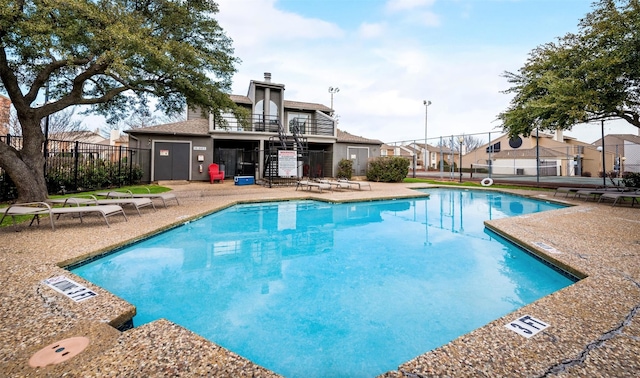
{"x": 594, "y": 328}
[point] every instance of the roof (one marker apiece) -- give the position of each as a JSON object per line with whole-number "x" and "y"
{"x": 239, "y": 99}
{"x": 626, "y": 137}
{"x": 306, "y": 106}
{"x": 404, "y": 151}
{"x": 191, "y": 127}
{"x": 80, "y": 136}
{"x": 345, "y": 137}
{"x": 298, "y": 105}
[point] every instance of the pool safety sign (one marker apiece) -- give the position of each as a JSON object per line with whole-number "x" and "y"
{"x": 287, "y": 163}
{"x": 70, "y": 288}
{"x": 527, "y": 326}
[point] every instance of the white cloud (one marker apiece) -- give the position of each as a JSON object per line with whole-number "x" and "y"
{"x": 424, "y": 18}
{"x": 403, "y": 5}
{"x": 384, "y": 72}
{"x": 254, "y": 23}
{"x": 371, "y": 30}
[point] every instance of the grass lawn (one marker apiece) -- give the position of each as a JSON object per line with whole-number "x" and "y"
{"x": 472, "y": 184}
{"x": 136, "y": 189}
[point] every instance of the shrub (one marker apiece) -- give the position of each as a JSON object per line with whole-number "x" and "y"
{"x": 631, "y": 179}
{"x": 91, "y": 174}
{"x": 345, "y": 168}
{"x": 388, "y": 169}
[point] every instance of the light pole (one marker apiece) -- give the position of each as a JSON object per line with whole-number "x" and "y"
{"x": 333, "y": 90}
{"x": 426, "y": 150}
{"x": 461, "y": 140}
{"x": 601, "y": 149}
{"x": 604, "y": 175}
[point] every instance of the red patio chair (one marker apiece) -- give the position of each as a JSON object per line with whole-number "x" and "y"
{"x": 215, "y": 173}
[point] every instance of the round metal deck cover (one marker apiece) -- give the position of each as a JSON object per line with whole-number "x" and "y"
{"x": 59, "y": 351}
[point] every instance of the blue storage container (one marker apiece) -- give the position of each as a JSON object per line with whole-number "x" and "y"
{"x": 243, "y": 180}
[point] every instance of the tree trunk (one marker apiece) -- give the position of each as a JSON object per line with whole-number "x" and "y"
{"x": 26, "y": 166}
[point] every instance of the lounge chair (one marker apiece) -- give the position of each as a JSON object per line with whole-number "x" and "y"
{"x": 594, "y": 193}
{"x": 313, "y": 184}
{"x": 137, "y": 203}
{"x": 360, "y": 184}
{"x": 567, "y": 190}
{"x": 36, "y": 209}
{"x": 164, "y": 197}
{"x": 337, "y": 184}
{"x": 617, "y": 196}
{"x": 302, "y": 183}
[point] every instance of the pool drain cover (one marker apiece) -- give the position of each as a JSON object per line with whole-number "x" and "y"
{"x": 59, "y": 351}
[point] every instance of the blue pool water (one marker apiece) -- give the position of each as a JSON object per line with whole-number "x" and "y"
{"x": 311, "y": 289}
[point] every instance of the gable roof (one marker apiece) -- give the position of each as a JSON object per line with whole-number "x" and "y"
{"x": 345, "y": 137}
{"x": 296, "y": 105}
{"x": 79, "y": 135}
{"x": 239, "y": 99}
{"x": 306, "y": 106}
{"x": 626, "y": 137}
{"x": 191, "y": 127}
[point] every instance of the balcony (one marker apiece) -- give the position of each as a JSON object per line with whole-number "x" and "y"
{"x": 314, "y": 124}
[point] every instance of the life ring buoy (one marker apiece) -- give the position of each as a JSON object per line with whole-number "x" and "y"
{"x": 487, "y": 181}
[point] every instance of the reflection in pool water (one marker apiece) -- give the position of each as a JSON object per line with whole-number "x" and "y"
{"x": 308, "y": 288}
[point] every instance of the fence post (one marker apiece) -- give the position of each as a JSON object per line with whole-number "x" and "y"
{"x": 130, "y": 160}
{"x": 120, "y": 166}
{"x": 75, "y": 164}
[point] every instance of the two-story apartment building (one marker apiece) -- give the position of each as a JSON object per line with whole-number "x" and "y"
{"x": 250, "y": 146}
{"x": 557, "y": 155}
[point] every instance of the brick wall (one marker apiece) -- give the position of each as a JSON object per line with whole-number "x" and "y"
{"x": 5, "y": 107}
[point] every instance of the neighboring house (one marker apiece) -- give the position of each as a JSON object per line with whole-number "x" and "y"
{"x": 84, "y": 136}
{"x": 444, "y": 155}
{"x": 414, "y": 152}
{"x": 626, "y": 148}
{"x": 389, "y": 150}
{"x": 5, "y": 114}
{"x": 558, "y": 155}
{"x": 435, "y": 155}
{"x": 250, "y": 147}
{"x": 64, "y": 141}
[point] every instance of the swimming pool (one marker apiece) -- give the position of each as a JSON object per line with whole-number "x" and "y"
{"x": 308, "y": 288}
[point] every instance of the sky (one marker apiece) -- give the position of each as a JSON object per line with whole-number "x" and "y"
{"x": 388, "y": 56}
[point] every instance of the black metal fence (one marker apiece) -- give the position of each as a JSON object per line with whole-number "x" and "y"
{"x": 307, "y": 124}
{"x": 72, "y": 166}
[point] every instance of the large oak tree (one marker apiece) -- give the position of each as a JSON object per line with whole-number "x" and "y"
{"x": 588, "y": 76}
{"x": 110, "y": 55}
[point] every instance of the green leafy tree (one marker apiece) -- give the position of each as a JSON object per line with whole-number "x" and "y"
{"x": 109, "y": 55}
{"x": 589, "y": 76}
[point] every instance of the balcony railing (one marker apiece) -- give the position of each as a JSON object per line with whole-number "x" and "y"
{"x": 270, "y": 124}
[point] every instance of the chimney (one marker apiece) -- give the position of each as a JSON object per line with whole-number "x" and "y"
{"x": 559, "y": 135}
{"x": 267, "y": 77}
{"x": 114, "y": 135}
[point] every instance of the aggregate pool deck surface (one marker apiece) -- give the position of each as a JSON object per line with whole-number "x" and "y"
{"x": 594, "y": 324}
